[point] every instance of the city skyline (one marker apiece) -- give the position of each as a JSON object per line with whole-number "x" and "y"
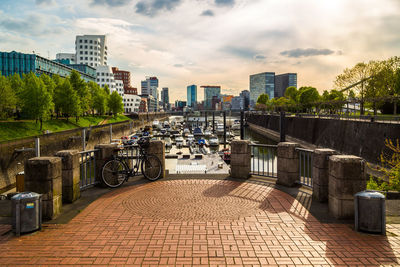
{"x": 211, "y": 42}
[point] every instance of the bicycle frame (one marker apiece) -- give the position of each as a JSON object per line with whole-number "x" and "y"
{"x": 139, "y": 156}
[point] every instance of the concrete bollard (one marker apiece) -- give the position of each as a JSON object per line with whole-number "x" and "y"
{"x": 346, "y": 177}
{"x": 320, "y": 173}
{"x": 106, "y": 151}
{"x": 240, "y": 159}
{"x": 43, "y": 176}
{"x": 157, "y": 147}
{"x": 288, "y": 164}
{"x": 70, "y": 175}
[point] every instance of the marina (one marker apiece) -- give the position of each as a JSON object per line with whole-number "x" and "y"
{"x": 200, "y": 145}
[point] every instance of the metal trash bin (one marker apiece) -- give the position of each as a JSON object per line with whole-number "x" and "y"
{"x": 26, "y": 212}
{"x": 369, "y": 208}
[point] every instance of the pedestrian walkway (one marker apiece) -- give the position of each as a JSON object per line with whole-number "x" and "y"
{"x": 199, "y": 222}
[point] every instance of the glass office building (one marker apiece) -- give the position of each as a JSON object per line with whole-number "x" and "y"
{"x": 262, "y": 83}
{"x": 15, "y": 62}
{"x": 283, "y": 81}
{"x": 209, "y": 93}
{"x": 191, "y": 95}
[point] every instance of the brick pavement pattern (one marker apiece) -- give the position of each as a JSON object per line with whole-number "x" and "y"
{"x": 198, "y": 223}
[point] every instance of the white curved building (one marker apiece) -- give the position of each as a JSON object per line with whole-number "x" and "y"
{"x": 105, "y": 76}
{"x": 91, "y": 50}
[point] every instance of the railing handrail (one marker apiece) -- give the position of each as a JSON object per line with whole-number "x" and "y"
{"x": 304, "y": 149}
{"x": 88, "y": 151}
{"x": 263, "y": 145}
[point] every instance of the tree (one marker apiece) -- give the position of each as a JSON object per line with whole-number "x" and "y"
{"x": 263, "y": 99}
{"x": 50, "y": 86}
{"x": 357, "y": 77}
{"x": 8, "y": 99}
{"x": 67, "y": 99}
{"x": 17, "y": 86}
{"x": 82, "y": 91}
{"x": 334, "y": 100}
{"x": 115, "y": 103}
{"x": 308, "y": 96}
{"x": 98, "y": 98}
{"x": 37, "y": 101}
{"x": 292, "y": 93}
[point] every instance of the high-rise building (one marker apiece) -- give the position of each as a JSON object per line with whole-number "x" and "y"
{"x": 210, "y": 91}
{"x": 15, "y": 62}
{"x": 245, "y": 94}
{"x": 191, "y": 95}
{"x": 131, "y": 103}
{"x": 165, "y": 98}
{"x": 125, "y": 76}
{"x": 150, "y": 87}
{"x": 237, "y": 103}
{"x": 261, "y": 83}
{"x": 283, "y": 81}
{"x": 91, "y": 50}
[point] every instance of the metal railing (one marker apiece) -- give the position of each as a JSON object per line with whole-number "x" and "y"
{"x": 263, "y": 160}
{"x": 88, "y": 168}
{"x": 305, "y": 166}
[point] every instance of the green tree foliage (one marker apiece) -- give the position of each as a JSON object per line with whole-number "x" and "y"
{"x": 115, "y": 103}
{"x": 98, "y": 98}
{"x": 66, "y": 99}
{"x": 37, "y": 100}
{"x": 292, "y": 93}
{"x": 333, "y": 100}
{"x": 8, "y": 99}
{"x": 17, "y": 85}
{"x": 80, "y": 87}
{"x": 263, "y": 99}
{"x": 308, "y": 96}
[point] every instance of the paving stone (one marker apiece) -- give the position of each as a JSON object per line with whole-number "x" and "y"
{"x": 198, "y": 223}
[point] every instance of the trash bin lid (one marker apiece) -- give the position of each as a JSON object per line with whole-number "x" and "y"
{"x": 369, "y": 194}
{"x": 25, "y": 195}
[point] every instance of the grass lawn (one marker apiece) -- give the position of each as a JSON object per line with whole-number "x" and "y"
{"x": 11, "y": 129}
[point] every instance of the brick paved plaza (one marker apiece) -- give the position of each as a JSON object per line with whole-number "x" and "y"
{"x": 199, "y": 222}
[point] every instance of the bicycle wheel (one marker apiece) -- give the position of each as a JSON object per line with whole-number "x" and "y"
{"x": 151, "y": 167}
{"x": 114, "y": 173}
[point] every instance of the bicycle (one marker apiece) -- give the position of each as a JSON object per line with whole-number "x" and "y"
{"x": 116, "y": 171}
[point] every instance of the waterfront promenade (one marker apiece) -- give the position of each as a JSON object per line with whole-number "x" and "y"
{"x": 202, "y": 222}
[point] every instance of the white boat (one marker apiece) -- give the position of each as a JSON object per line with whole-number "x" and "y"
{"x": 166, "y": 124}
{"x": 156, "y": 124}
{"x": 214, "y": 141}
{"x": 190, "y": 140}
{"x": 220, "y": 128}
{"x": 168, "y": 142}
{"x": 207, "y": 133}
{"x": 179, "y": 141}
{"x": 186, "y": 131}
{"x": 236, "y": 125}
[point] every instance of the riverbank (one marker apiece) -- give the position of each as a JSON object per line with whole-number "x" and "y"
{"x": 12, "y": 129}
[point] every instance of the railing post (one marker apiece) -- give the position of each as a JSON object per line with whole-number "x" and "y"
{"x": 70, "y": 175}
{"x": 157, "y": 147}
{"x": 43, "y": 176}
{"x": 105, "y": 152}
{"x": 37, "y": 147}
{"x": 240, "y": 159}
{"x": 346, "y": 177}
{"x": 111, "y": 137}
{"x": 242, "y": 125}
{"x": 288, "y": 163}
{"x": 281, "y": 127}
{"x": 83, "y": 139}
{"x": 320, "y": 173}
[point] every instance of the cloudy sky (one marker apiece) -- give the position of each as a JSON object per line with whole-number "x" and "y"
{"x": 211, "y": 42}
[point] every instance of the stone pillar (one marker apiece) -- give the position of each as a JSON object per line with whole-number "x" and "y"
{"x": 320, "y": 173}
{"x": 346, "y": 177}
{"x": 288, "y": 164}
{"x": 70, "y": 175}
{"x": 157, "y": 148}
{"x": 43, "y": 176}
{"x": 240, "y": 159}
{"x": 106, "y": 151}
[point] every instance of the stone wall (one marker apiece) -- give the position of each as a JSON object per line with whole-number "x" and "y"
{"x": 360, "y": 138}
{"x": 12, "y": 162}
